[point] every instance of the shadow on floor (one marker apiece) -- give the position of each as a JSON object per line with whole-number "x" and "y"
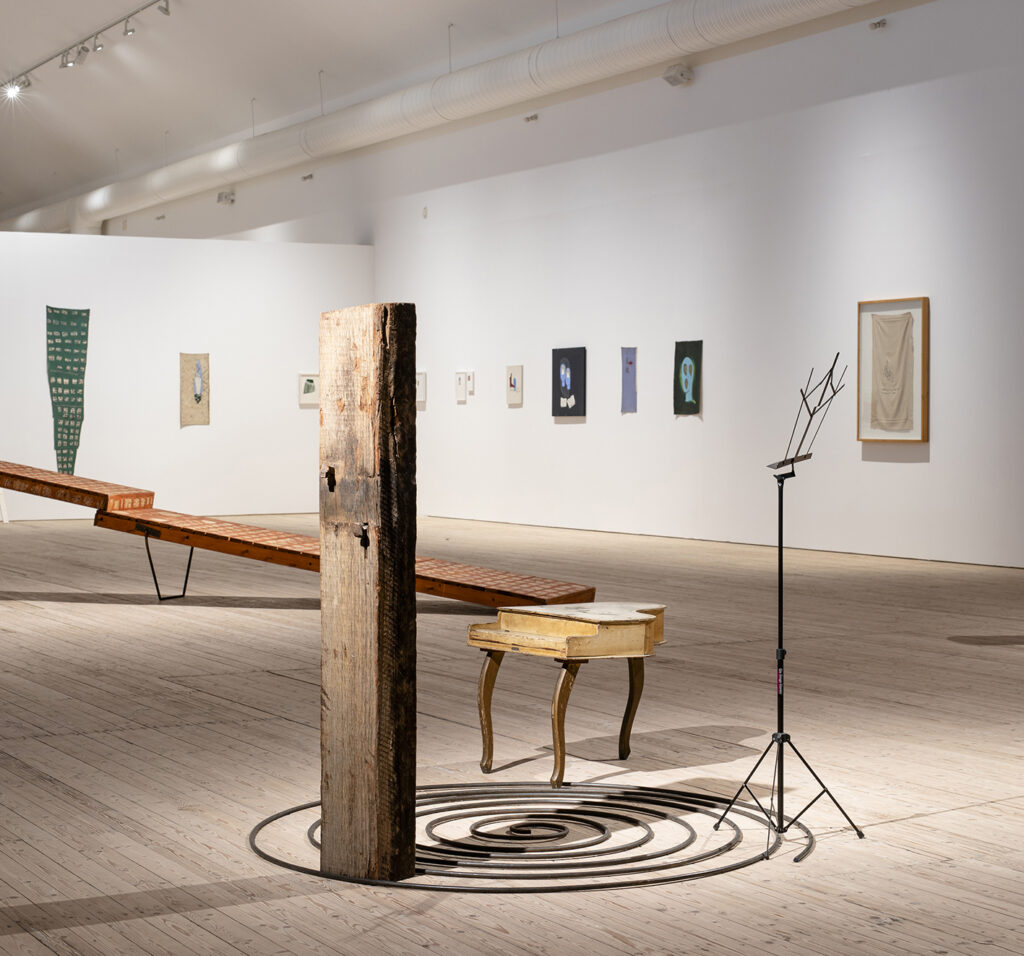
{"x": 284, "y": 603}
{"x": 676, "y": 747}
{"x": 94, "y": 910}
{"x": 192, "y": 600}
{"x": 985, "y": 640}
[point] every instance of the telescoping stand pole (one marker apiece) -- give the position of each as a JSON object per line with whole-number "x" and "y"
{"x": 813, "y": 401}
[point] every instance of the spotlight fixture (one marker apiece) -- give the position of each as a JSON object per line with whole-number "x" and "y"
{"x": 12, "y": 89}
{"x": 76, "y": 53}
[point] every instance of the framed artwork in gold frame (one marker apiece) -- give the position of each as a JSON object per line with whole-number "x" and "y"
{"x": 892, "y": 370}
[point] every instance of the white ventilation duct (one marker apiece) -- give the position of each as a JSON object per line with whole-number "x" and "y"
{"x": 648, "y": 38}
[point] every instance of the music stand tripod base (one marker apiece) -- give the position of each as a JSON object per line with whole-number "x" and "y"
{"x": 812, "y": 401}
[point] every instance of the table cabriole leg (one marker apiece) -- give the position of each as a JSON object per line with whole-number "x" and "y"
{"x": 636, "y": 688}
{"x": 563, "y": 687}
{"x": 488, "y": 674}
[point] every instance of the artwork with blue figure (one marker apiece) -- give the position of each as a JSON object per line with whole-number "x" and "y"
{"x": 686, "y": 378}
{"x": 569, "y": 383}
{"x": 194, "y": 388}
{"x": 686, "y": 382}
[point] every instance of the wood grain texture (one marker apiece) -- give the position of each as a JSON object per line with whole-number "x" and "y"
{"x": 559, "y": 702}
{"x": 460, "y": 582}
{"x": 140, "y": 743}
{"x": 216, "y": 534}
{"x": 130, "y": 510}
{"x": 73, "y": 489}
{"x": 368, "y": 590}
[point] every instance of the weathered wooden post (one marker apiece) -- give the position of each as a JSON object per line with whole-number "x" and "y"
{"x": 368, "y": 591}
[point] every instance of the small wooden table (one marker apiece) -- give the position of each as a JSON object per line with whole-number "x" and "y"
{"x": 572, "y": 634}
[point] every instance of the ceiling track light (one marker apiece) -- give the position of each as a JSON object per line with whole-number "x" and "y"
{"x": 12, "y": 89}
{"x": 75, "y": 54}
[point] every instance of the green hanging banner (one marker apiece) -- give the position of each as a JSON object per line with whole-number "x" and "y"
{"x": 67, "y": 339}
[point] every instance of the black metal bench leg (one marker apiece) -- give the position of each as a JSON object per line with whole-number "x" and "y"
{"x": 156, "y": 583}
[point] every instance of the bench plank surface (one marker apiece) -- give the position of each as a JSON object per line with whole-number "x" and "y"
{"x": 73, "y": 489}
{"x": 449, "y": 579}
{"x": 492, "y": 588}
{"x": 215, "y": 534}
{"x": 127, "y": 509}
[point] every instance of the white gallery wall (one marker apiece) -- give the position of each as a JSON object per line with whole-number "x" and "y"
{"x": 752, "y": 210}
{"x": 255, "y": 307}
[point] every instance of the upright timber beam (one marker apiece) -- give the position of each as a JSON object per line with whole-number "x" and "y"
{"x": 368, "y": 591}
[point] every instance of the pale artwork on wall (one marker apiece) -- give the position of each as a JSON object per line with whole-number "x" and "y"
{"x": 514, "y": 386}
{"x": 309, "y": 391}
{"x": 194, "y": 386}
{"x": 421, "y": 390}
{"x": 892, "y": 370}
{"x": 461, "y": 387}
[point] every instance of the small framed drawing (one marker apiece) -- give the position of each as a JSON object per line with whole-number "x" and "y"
{"x": 514, "y": 386}
{"x": 309, "y": 391}
{"x": 892, "y": 370}
{"x": 421, "y": 390}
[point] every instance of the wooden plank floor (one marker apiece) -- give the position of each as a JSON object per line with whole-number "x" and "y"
{"x": 140, "y": 742}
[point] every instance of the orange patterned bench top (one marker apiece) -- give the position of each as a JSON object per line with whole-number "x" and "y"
{"x": 131, "y": 510}
{"x": 462, "y": 582}
{"x": 466, "y": 582}
{"x": 215, "y": 534}
{"x": 71, "y": 488}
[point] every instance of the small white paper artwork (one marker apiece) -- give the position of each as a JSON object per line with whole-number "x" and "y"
{"x": 471, "y": 382}
{"x": 514, "y": 386}
{"x": 421, "y": 388}
{"x": 309, "y": 391}
{"x": 461, "y": 387}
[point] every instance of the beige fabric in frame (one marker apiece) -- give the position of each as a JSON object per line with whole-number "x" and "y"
{"x": 892, "y": 371}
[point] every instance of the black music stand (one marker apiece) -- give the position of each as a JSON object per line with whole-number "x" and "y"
{"x": 813, "y": 401}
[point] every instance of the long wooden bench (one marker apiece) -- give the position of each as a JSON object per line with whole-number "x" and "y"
{"x": 101, "y": 495}
{"x": 130, "y": 510}
{"x": 461, "y": 582}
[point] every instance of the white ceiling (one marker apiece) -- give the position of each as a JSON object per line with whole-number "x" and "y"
{"x": 193, "y": 80}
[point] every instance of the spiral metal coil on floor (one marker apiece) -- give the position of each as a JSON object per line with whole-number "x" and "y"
{"x": 530, "y": 838}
